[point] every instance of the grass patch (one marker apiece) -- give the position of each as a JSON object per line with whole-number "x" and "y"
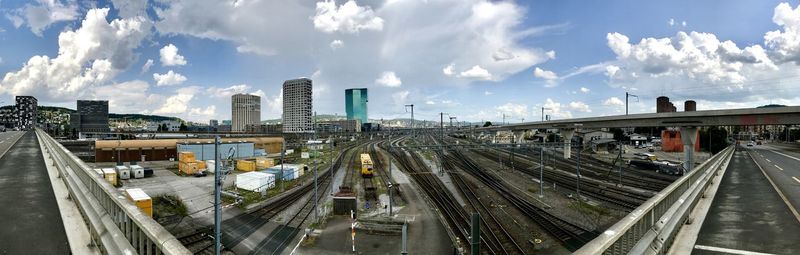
{"x": 166, "y": 206}
{"x": 587, "y": 208}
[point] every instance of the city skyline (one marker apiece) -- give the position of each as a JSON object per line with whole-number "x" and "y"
{"x": 508, "y": 59}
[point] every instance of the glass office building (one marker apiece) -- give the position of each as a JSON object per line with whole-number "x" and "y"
{"x": 355, "y": 101}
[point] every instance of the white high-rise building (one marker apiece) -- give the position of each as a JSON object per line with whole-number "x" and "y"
{"x": 245, "y": 109}
{"x": 297, "y": 107}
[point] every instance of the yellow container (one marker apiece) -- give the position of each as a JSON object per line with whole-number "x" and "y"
{"x": 264, "y": 163}
{"x": 186, "y": 156}
{"x": 245, "y": 165}
{"x": 201, "y": 165}
{"x": 187, "y": 168}
{"x": 110, "y": 175}
{"x": 141, "y": 199}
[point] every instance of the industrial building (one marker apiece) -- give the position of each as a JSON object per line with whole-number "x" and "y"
{"x": 297, "y": 106}
{"x": 26, "y": 111}
{"x": 245, "y": 109}
{"x": 333, "y": 126}
{"x": 355, "y": 101}
{"x": 91, "y": 116}
{"x": 205, "y": 150}
{"x": 7, "y": 118}
{"x": 664, "y": 105}
{"x": 213, "y": 123}
{"x": 164, "y": 149}
{"x": 264, "y": 128}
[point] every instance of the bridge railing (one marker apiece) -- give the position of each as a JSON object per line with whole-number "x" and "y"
{"x": 651, "y": 228}
{"x": 116, "y": 225}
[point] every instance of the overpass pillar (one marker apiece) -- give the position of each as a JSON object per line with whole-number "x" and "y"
{"x": 518, "y": 136}
{"x": 689, "y": 137}
{"x": 567, "y": 133}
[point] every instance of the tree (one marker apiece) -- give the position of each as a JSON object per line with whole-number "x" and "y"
{"x": 183, "y": 127}
{"x": 487, "y": 124}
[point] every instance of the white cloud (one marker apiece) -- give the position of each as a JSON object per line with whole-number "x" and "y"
{"x": 513, "y": 110}
{"x": 203, "y": 114}
{"x": 613, "y": 101}
{"x": 430, "y": 102}
{"x": 449, "y": 70}
{"x": 550, "y": 54}
{"x": 555, "y": 110}
{"x": 130, "y": 8}
{"x": 177, "y": 104}
{"x": 170, "y": 57}
{"x": 168, "y": 79}
{"x": 476, "y": 72}
{"x": 400, "y": 98}
{"x": 683, "y": 23}
{"x": 127, "y": 97}
{"x": 347, "y": 18}
{"x": 487, "y": 93}
{"x": 585, "y": 90}
{"x": 611, "y": 70}
{"x": 336, "y": 44}
{"x": 147, "y": 65}
{"x": 462, "y": 33}
{"x": 229, "y": 91}
{"x": 579, "y": 106}
{"x": 47, "y": 12}
{"x": 547, "y": 75}
{"x": 671, "y": 22}
{"x": 389, "y": 79}
{"x": 87, "y": 57}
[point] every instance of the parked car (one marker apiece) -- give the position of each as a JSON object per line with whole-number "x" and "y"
{"x": 750, "y": 144}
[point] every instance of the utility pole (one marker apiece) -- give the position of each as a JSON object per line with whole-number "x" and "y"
{"x": 283, "y": 153}
{"x": 544, "y": 108}
{"x": 541, "y": 171}
{"x": 504, "y": 119}
{"x": 390, "y": 198}
{"x": 475, "y": 237}
{"x": 441, "y": 125}
{"x": 412, "y": 118}
{"x": 578, "y": 184}
{"x": 217, "y": 200}
{"x": 316, "y": 195}
{"x": 627, "y": 95}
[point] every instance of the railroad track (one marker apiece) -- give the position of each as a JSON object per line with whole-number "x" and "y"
{"x": 281, "y": 236}
{"x": 199, "y": 242}
{"x": 616, "y": 197}
{"x": 569, "y": 234}
{"x": 381, "y": 172}
{"x": 238, "y": 228}
{"x": 452, "y": 213}
{"x": 498, "y": 233}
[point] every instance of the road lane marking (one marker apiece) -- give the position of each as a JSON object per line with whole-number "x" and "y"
{"x": 788, "y": 156}
{"x": 726, "y": 250}
{"x": 779, "y": 168}
{"x": 770, "y": 161}
{"x": 795, "y": 178}
{"x": 780, "y": 193}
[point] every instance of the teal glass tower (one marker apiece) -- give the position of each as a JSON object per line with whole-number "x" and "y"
{"x": 355, "y": 101}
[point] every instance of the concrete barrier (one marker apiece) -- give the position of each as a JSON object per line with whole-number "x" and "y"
{"x": 117, "y": 226}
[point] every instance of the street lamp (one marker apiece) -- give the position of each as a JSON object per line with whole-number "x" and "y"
{"x": 544, "y": 108}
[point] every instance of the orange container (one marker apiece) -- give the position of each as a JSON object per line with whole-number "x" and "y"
{"x": 186, "y": 156}
{"x": 141, "y": 199}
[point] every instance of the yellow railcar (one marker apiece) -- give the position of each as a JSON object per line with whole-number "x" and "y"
{"x": 366, "y": 166}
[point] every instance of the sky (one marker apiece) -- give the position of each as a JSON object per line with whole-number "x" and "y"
{"x": 475, "y": 60}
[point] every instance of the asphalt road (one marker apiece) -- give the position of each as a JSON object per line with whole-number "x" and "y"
{"x": 782, "y": 163}
{"x": 30, "y": 222}
{"x": 747, "y": 214}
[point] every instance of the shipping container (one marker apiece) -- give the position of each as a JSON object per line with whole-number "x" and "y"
{"x": 141, "y": 199}
{"x": 290, "y": 171}
{"x": 259, "y": 152}
{"x": 263, "y": 163}
{"x": 201, "y": 165}
{"x": 137, "y": 171}
{"x": 255, "y": 181}
{"x": 148, "y": 172}
{"x": 123, "y": 172}
{"x": 186, "y": 156}
{"x": 245, "y": 165}
{"x": 110, "y": 175}
{"x": 187, "y": 168}
{"x": 210, "y": 165}
{"x": 205, "y": 151}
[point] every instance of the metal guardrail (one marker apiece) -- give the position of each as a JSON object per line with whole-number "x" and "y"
{"x": 651, "y": 228}
{"x": 116, "y": 225}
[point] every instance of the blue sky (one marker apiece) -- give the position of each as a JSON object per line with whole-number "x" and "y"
{"x": 474, "y": 59}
